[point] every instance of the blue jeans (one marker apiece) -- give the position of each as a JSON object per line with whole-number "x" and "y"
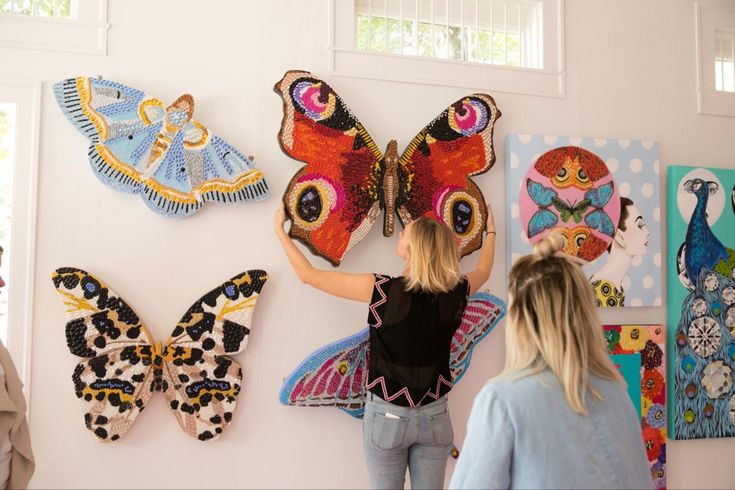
{"x": 396, "y": 438}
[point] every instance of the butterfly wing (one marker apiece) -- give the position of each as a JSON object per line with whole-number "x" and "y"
{"x": 199, "y": 167}
{"x": 113, "y": 381}
{"x": 335, "y": 375}
{"x": 434, "y": 170}
{"x": 138, "y": 145}
{"x": 336, "y": 197}
{"x": 200, "y": 381}
{"x": 106, "y": 113}
{"x": 543, "y": 196}
{"x": 579, "y": 209}
{"x": 600, "y": 196}
{"x": 599, "y": 220}
{"x": 541, "y": 220}
{"x": 482, "y": 314}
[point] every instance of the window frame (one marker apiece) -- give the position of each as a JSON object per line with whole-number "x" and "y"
{"x": 348, "y": 61}
{"x": 712, "y": 16}
{"x": 87, "y": 33}
{"x": 27, "y": 97}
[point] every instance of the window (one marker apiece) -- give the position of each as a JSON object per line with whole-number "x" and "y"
{"x": 490, "y": 45}
{"x": 724, "y": 61}
{"x": 493, "y": 32}
{"x": 55, "y": 9}
{"x": 715, "y": 26}
{"x": 76, "y": 26}
{"x": 19, "y": 120}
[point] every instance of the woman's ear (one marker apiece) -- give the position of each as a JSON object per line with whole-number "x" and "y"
{"x": 619, "y": 239}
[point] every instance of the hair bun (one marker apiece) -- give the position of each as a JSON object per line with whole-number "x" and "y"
{"x": 548, "y": 245}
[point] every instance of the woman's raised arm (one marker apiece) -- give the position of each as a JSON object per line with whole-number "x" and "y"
{"x": 481, "y": 274}
{"x": 357, "y": 287}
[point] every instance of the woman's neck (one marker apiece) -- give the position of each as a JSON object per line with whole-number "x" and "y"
{"x": 615, "y": 268}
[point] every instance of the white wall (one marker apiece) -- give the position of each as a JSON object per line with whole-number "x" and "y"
{"x": 631, "y": 74}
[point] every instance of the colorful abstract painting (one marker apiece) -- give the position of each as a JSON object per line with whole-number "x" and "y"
{"x": 347, "y": 181}
{"x": 602, "y": 195}
{"x": 638, "y": 351}
{"x": 701, "y": 301}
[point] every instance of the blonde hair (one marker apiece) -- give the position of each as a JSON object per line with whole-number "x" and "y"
{"x": 433, "y": 258}
{"x": 553, "y": 323}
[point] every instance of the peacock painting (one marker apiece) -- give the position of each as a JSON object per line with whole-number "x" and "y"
{"x": 701, "y": 304}
{"x": 702, "y": 247}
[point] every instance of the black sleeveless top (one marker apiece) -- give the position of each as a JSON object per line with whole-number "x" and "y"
{"x": 410, "y": 337}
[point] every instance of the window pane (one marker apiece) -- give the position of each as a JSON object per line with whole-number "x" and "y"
{"x": 7, "y": 144}
{"x": 40, "y": 8}
{"x": 498, "y": 32}
{"x": 724, "y": 61}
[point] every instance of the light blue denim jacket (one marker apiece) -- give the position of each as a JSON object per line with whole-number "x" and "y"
{"x": 523, "y": 434}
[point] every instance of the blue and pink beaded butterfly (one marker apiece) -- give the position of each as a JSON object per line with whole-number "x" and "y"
{"x": 141, "y": 146}
{"x": 336, "y": 374}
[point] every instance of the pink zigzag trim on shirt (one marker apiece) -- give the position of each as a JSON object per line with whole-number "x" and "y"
{"x": 383, "y": 299}
{"x": 404, "y": 391}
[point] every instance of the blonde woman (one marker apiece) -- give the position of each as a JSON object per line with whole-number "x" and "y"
{"x": 558, "y": 416}
{"x": 413, "y": 317}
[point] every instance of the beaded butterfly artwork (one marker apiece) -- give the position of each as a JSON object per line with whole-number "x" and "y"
{"x": 122, "y": 367}
{"x": 336, "y": 197}
{"x": 570, "y": 190}
{"x": 141, "y": 146}
{"x": 336, "y": 374}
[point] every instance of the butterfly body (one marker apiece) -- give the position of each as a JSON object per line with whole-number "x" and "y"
{"x": 122, "y": 367}
{"x": 141, "y": 146}
{"x": 347, "y": 181}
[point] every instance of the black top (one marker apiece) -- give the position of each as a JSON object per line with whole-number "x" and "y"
{"x": 410, "y": 339}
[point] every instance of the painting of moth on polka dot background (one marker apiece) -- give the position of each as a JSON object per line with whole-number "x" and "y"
{"x": 121, "y": 366}
{"x": 701, "y": 301}
{"x": 602, "y": 195}
{"x": 347, "y": 181}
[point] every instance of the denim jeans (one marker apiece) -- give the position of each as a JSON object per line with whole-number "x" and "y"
{"x": 396, "y": 438}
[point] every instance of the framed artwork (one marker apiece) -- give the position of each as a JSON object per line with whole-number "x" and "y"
{"x": 602, "y": 195}
{"x": 638, "y": 352}
{"x": 701, "y": 301}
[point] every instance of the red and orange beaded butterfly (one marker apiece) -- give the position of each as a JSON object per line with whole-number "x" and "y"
{"x": 336, "y": 197}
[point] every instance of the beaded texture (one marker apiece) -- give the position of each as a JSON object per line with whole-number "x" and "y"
{"x": 336, "y": 374}
{"x": 334, "y": 200}
{"x": 140, "y": 146}
{"x": 122, "y": 367}
{"x": 638, "y": 352}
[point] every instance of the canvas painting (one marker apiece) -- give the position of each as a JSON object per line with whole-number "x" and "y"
{"x": 701, "y": 301}
{"x": 638, "y": 352}
{"x": 602, "y": 195}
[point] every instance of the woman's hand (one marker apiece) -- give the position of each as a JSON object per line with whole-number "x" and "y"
{"x": 279, "y": 219}
{"x": 490, "y": 222}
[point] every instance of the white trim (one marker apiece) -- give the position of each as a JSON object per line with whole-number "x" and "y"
{"x": 347, "y": 61}
{"x": 710, "y": 16}
{"x": 87, "y": 34}
{"x": 27, "y": 96}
